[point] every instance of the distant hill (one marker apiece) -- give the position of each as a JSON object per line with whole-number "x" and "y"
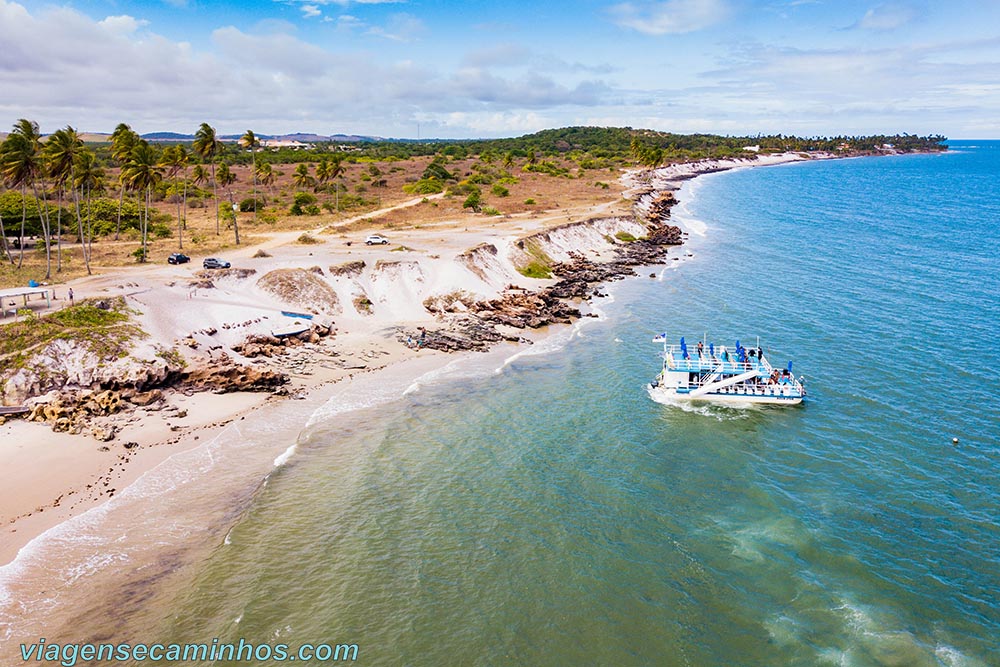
{"x": 305, "y": 137}
{"x": 167, "y": 136}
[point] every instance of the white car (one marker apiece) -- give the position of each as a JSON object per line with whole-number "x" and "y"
{"x": 376, "y": 239}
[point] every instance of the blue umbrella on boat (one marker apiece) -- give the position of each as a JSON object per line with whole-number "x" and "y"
{"x": 789, "y": 367}
{"x": 711, "y": 349}
{"x": 684, "y": 348}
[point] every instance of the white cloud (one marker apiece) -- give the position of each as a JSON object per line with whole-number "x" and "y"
{"x": 886, "y": 17}
{"x": 400, "y": 28}
{"x": 345, "y": 3}
{"x": 122, "y": 25}
{"x": 60, "y": 67}
{"x": 311, "y": 11}
{"x": 670, "y": 16}
{"x": 346, "y": 22}
{"x": 497, "y": 123}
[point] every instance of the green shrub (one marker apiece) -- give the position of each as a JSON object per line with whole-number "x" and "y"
{"x": 436, "y": 170}
{"x": 425, "y": 186}
{"x": 303, "y": 203}
{"x": 535, "y": 269}
{"x": 489, "y": 210}
{"x": 161, "y": 231}
{"x": 624, "y": 237}
{"x": 529, "y": 202}
{"x": 500, "y": 191}
{"x": 248, "y": 204}
{"x": 473, "y": 201}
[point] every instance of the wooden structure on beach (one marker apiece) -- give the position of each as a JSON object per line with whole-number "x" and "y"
{"x": 23, "y": 292}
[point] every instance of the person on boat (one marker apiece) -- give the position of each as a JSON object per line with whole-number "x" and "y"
{"x": 701, "y": 349}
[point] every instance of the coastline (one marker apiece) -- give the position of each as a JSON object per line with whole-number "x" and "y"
{"x": 212, "y": 419}
{"x": 31, "y": 508}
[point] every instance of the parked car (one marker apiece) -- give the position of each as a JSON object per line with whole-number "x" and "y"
{"x": 178, "y": 258}
{"x": 376, "y": 239}
{"x": 213, "y": 263}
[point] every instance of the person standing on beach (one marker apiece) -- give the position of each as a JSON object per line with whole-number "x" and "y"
{"x": 70, "y": 295}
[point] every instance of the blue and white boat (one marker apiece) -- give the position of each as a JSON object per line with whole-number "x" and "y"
{"x": 737, "y": 376}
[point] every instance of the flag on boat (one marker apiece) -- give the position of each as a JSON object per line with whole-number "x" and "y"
{"x": 660, "y": 338}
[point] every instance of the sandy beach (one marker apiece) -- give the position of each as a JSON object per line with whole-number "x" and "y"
{"x": 49, "y": 477}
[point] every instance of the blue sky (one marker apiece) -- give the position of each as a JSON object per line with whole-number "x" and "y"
{"x": 482, "y": 69}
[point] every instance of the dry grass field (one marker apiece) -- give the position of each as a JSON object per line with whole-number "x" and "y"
{"x": 363, "y": 201}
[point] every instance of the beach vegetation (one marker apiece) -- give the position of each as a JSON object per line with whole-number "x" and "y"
{"x": 363, "y": 304}
{"x": 101, "y": 326}
{"x": 500, "y": 191}
{"x": 538, "y": 264}
{"x": 308, "y": 239}
{"x": 625, "y": 237}
{"x": 529, "y": 202}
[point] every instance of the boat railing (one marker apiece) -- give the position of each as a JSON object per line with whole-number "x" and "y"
{"x": 673, "y": 356}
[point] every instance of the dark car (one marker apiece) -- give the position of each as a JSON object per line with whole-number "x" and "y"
{"x": 213, "y": 263}
{"x": 178, "y": 258}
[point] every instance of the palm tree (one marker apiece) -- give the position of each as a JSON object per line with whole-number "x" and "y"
{"x": 60, "y": 155}
{"x": 250, "y": 141}
{"x": 123, "y": 139}
{"x": 226, "y": 178}
{"x": 199, "y": 175}
{"x": 508, "y": 160}
{"x": 15, "y": 168}
{"x": 336, "y": 171}
{"x": 324, "y": 172}
{"x": 207, "y": 145}
{"x": 3, "y": 232}
{"x": 87, "y": 177}
{"x": 3, "y": 241}
{"x": 175, "y": 158}
{"x": 265, "y": 174}
{"x": 22, "y": 166}
{"x": 301, "y": 177}
{"x": 141, "y": 173}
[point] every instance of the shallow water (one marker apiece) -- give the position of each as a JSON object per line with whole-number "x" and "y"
{"x": 544, "y": 511}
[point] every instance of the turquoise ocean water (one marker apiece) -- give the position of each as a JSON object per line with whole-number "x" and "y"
{"x": 552, "y": 514}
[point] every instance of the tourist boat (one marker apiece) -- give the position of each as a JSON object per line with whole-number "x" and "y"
{"x": 739, "y": 376}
